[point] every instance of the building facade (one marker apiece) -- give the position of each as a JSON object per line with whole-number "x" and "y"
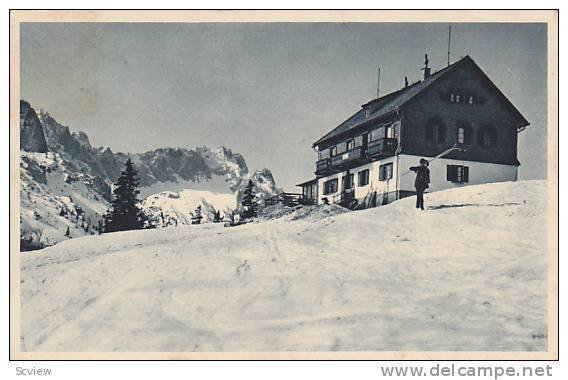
{"x": 456, "y": 118}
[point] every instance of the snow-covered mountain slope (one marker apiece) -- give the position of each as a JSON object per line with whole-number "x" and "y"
{"x": 53, "y": 198}
{"x": 470, "y": 273}
{"x": 213, "y": 170}
{"x": 170, "y": 208}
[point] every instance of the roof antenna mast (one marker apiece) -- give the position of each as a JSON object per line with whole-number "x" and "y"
{"x": 378, "y": 82}
{"x": 449, "y": 42}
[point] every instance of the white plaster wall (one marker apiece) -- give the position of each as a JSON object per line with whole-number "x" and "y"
{"x": 362, "y": 191}
{"x": 479, "y": 172}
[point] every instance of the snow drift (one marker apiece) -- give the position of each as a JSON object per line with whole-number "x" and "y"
{"x": 467, "y": 274}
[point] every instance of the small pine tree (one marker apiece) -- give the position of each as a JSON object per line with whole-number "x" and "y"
{"x": 249, "y": 205}
{"x": 68, "y": 233}
{"x": 196, "y": 217}
{"x": 217, "y": 217}
{"x": 125, "y": 213}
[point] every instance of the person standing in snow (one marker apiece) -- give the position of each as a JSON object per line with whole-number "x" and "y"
{"x": 422, "y": 181}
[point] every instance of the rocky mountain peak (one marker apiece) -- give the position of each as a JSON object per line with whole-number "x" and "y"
{"x": 32, "y": 138}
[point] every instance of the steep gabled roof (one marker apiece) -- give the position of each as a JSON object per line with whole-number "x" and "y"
{"x": 392, "y": 102}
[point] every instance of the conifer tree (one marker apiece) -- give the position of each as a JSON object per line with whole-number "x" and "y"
{"x": 125, "y": 213}
{"x": 249, "y": 205}
{"x": 217, "y": 217}
{"x": 196, "y": 217}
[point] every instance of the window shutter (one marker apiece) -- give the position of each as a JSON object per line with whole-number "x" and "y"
{"x": 466, "y": 174}
{"x": 467, "y": 135}
{"x": 451, "y": 173}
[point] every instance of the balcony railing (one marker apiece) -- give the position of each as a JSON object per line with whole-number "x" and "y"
{"x": 381, "y": 146}
{"x": 376, "y": 148}
{"x": 322, "y": 166}
{"x": 346, "y": 157}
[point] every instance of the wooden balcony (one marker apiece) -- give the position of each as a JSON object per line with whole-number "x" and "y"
{"x": 346, "y": 158}
{"x": 323, "y": 167}
{"x": 339, "y": 162}
{"x": 380, "y": 147}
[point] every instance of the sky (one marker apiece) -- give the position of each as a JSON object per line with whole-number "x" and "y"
{"x": 265, "y": 90}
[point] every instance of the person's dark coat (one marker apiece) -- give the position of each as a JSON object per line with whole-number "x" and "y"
{"x": 422, "y": 181}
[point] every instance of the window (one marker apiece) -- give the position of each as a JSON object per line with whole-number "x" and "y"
{"x": 429, "y": 132}
{"x": 310, "y": 191}
{"x": 463, "y": 96}
{"x": 330, "y": 187}
{"x": 458, "y": 173}
{"x": 461, "y": 135}
{"x": 358, "y": 140}
{"x": 349, "y": 145}
{"x": 487, "y": 137}
{"x": 363, "y": 177}
{"x": 333, "y": 151}
{"x": 389, "y": 131}
{"x": 323, "y": 154}
{"x": 347, "y": 182}
{"x": 385, "y": 172}
{"x": 366, "y": 111}
{"x": 441, "y": 133}
{"x": 341, "y": 147}
{"x": 435, "y": 130}
{"x": 377, "y": 133}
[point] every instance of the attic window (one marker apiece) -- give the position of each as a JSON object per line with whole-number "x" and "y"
{"x": 366, "y": 111}
{"x": 470, "y": 100}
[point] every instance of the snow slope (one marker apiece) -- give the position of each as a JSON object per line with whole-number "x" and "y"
{"x": 467, "y": 274}
{"x": 49, "y": 186}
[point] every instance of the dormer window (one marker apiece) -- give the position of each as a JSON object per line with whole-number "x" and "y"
{"x": 350, "y": 144}
{"x": 457, "y": 98}
{"x": 452, "y": 98}
{"x": 470, "y": 100}
{"x": 366, "y": 111}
